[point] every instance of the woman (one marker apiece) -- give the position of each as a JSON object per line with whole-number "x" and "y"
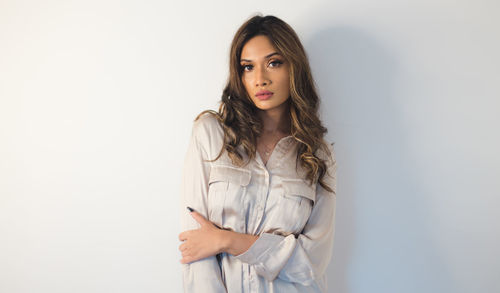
{"x": 259, "y": 179}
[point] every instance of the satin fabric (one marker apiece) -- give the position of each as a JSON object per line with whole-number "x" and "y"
{"x": 295, "y": 221}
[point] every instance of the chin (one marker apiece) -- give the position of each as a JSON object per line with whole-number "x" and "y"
{"x": 262, "y": 106}
{"x": 268, "y": 105}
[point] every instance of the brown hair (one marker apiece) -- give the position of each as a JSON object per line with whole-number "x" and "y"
{"x": 238, "y": 114}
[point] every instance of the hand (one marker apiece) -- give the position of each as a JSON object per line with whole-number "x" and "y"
{"x": 201, "y": 243}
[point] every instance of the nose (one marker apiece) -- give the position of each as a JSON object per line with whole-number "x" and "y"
{"x": 261, "y": 77}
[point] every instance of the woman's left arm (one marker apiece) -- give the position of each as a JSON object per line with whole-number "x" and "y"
{"x": 304, "y": 259}
{"x": 301, "y": 260}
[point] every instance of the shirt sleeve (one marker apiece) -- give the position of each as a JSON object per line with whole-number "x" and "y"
{"x": 203, "y": 276}
{"x": 304, "y": 259}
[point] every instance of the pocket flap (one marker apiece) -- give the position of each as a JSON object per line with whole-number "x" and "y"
{"x": 297, "y": 187}
{"x": 231, "y": 174}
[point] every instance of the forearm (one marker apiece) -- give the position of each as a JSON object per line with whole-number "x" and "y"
{"x": 236, "y": 243}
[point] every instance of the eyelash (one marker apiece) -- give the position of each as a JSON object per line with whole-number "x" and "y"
{"x": 275, "y": 61}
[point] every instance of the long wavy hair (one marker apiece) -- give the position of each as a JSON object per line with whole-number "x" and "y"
{"x": 238, "y": 114}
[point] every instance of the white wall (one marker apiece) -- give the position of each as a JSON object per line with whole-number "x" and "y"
{"x": 96, "y": 104}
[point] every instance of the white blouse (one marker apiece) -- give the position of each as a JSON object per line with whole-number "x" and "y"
{"x": 294, "y": 221}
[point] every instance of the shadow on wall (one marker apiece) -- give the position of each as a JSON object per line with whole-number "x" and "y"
{"x": 384, "y": 237}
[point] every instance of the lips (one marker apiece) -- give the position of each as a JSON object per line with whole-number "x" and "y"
{"x": 263, "y": 95}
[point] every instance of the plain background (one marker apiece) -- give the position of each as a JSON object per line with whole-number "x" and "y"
{"x": 97, "y": 100}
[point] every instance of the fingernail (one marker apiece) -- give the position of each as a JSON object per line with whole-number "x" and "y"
{"x": 190, "y": 209}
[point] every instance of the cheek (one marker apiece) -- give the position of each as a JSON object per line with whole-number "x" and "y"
{"x": 245, "y": 82}
{"x": 284, "y": 76}
{"x": 247, "y": 90}
{"x": 285, "y": 83}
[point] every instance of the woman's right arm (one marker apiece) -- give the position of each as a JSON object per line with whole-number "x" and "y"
{"x": 204, "y": 275}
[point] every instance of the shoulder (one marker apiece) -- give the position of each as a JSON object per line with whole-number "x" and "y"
{"x": 208, "y": 133}
{"x": 328, "y": 156}
{"x": 327, "y": 152}
{"x": 206, "y": 125}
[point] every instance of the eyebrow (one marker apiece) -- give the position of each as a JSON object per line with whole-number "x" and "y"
{"x": 272, "y": 54}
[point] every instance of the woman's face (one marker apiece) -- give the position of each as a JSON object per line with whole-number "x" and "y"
{"x": 265, "y": 74}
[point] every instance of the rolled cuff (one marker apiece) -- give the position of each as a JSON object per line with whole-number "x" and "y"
{"x": 269, "y": 254}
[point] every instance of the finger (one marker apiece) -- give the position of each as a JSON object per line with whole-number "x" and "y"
{"x": 182, "y": 247}
{"x": 186, "y": 260}
{"x": 184, "y": 235}
{"x": 199, "y": 218}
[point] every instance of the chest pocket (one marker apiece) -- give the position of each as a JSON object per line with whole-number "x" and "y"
{"x": 296, "y": 202}
{"x": 227, "y": 187}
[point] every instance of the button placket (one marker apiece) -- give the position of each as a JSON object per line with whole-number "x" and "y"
{"x": 262, "y": 198}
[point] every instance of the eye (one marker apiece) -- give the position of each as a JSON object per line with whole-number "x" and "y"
{"x": 245, "y": 66}
{"x": 276, "y": 63}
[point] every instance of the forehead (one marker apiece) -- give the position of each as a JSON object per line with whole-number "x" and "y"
{"x": 257, "y": 48}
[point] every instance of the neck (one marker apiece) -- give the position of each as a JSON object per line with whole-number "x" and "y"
{"x": 275, "y": 120}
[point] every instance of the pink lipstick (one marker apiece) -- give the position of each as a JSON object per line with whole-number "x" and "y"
{"x": 263, "y": 95}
